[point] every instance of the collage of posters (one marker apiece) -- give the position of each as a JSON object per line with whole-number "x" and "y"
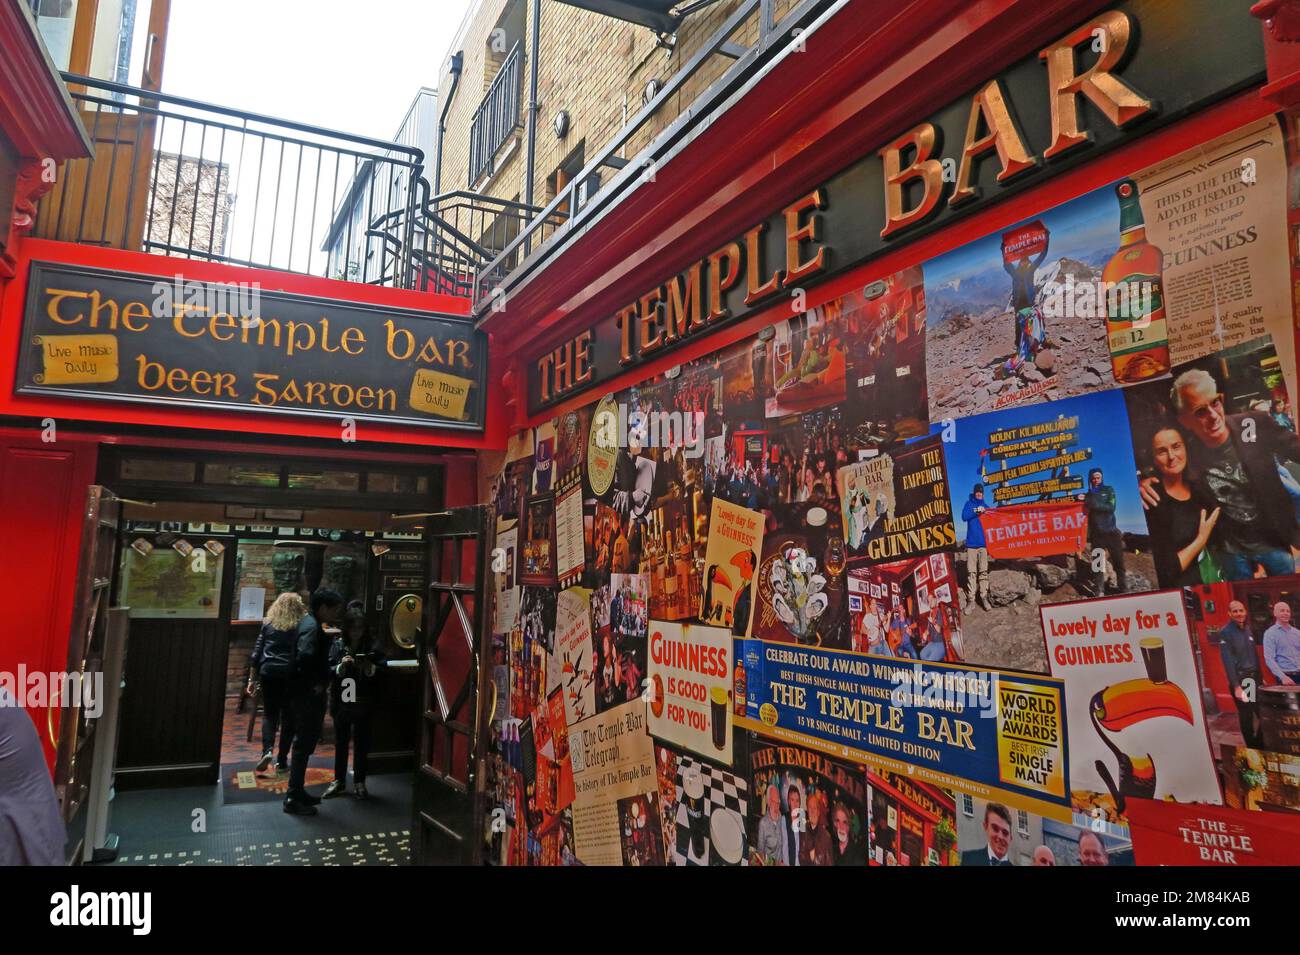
{"x": 991, "y": 560}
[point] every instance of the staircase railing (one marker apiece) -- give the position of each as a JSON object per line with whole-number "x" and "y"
{"x": 178, "y": 177}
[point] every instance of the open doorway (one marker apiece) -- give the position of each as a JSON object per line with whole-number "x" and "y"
{"x": 207, "y": 543}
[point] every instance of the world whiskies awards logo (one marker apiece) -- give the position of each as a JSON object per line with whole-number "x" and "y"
{"x": 76, "y": 908}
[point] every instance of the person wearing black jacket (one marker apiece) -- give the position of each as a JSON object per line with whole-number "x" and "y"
{"x": 307, "y": 695}
{"x": 354, "y": 660}
{"x": 1236, "y": 458}
{"x": 271, "y": 662}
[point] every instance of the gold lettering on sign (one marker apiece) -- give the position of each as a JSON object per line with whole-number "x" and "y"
{"x": 682, "y": 315}
{"x": 756, "y": 289}
{"x": 923, "y": 168}
{"x": 648, "y": 321}
{"x": 990, "y": 107}
{"x": 582, "y": 358}
{"x": 1118, "y": 102}
{"x": 724, "y": 273}
{"x": 544, "y": 374}
{"x": 625, "y": 319}
{"x": 810, "y": 231}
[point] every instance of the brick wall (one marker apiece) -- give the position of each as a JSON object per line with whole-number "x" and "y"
{"x": 593, "y": 66}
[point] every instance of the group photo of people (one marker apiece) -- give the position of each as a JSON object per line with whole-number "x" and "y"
{"x": 313, "y": 657}
{"x": 620, "y": 611}
{"x": 800, "y": 817}
{"x": 906, "y": 608}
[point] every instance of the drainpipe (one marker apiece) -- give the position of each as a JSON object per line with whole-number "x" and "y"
{"x": 457, "y": 61}
{"x": 533, "y": 105}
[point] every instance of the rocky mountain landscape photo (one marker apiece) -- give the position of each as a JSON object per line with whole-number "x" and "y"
{"x": 972, "y": 334}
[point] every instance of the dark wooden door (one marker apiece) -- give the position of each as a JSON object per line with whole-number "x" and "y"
{"x": 448, "y": 815}
{"x": 174, "y": 701}
{"x": 75, "y": 741}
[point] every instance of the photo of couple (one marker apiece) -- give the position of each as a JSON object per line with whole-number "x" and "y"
{"x": 1219, "y": 462}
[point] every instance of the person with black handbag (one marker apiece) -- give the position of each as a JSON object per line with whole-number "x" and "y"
{"x": 270, "y": 663}
{"x": 309, "y": 687}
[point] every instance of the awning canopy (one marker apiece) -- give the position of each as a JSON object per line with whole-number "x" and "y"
{"x": 648, "y": 13}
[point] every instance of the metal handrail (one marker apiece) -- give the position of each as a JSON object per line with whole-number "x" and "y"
{"x": 76, "y": 79}
{"x": 532, "y": 245}
{"x": 497, "y": 115}
{"x": 198, "y": 180}
{"x": 455, "y": 234}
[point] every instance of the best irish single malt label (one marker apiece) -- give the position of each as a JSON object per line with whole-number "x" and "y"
{"x": 111, "y": 336}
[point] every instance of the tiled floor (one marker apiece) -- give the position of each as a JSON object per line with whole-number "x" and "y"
{"x": 192, "y": 826}
{"x": 371, "y": 848}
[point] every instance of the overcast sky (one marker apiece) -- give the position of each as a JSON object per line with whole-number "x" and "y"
{"x": 350, "y": 66}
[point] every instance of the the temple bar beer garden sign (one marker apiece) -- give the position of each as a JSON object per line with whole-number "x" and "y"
{"x": 1130, "y": 68}
{"x": 90, "y": 333}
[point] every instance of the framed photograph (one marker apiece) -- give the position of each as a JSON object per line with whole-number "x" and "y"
{"x": 922, "y": 573}
{"x": 163, "y": 584}
{"x": 539, "y": 546}
{"x": 938, "y": 567}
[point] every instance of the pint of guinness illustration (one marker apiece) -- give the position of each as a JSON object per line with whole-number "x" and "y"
{"x": 1153, "y": 657}
{"x": 719, "y": 701}
{"x": 693, "y": 791}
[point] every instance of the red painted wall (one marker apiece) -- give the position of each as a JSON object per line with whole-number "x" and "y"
{"x": 42, "y": 496}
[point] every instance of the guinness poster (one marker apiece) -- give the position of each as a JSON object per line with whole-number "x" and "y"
{"x": 895, "y": 504}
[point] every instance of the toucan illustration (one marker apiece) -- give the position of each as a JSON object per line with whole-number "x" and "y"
{"x": 713, "y": 610}
{"x": 1118, "y": 707}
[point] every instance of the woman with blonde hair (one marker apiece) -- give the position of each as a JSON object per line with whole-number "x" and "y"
{"x": 272, "y": 662}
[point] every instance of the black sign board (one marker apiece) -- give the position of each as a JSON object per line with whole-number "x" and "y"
{"x": 1180, "y": 56}
{"x": 112, "y": 336}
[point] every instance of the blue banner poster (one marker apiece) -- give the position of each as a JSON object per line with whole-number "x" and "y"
{"x": 993, "y": 734}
